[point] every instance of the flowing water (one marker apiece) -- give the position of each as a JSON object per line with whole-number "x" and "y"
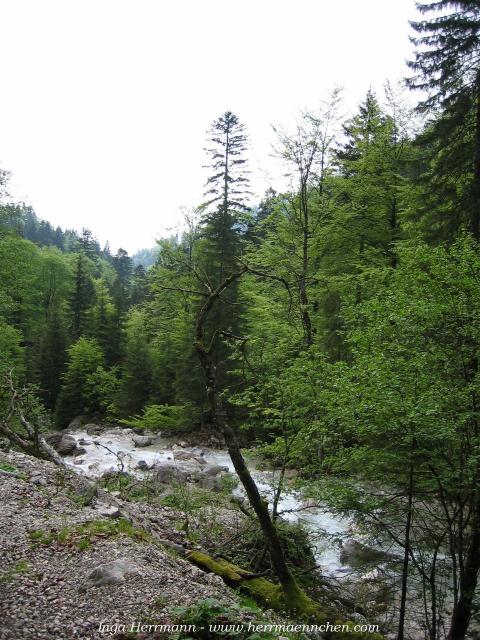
{"x": 101, "y": 456}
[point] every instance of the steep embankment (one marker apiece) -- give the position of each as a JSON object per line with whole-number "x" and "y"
{"x": 57, "y": 540}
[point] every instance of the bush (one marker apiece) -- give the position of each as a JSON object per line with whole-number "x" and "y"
{"x": 161, "y": 417}
{"x": 209, "y": 612}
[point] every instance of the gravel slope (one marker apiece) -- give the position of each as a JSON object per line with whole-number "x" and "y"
{"x": 45, "y": 593}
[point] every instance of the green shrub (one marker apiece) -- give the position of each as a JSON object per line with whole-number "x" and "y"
{"x": 161, "y": 417}
{"x": 209, "y": 612}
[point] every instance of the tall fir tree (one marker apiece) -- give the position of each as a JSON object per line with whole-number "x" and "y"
{"x": 227, "y": 192}
{"x": 447, "y": 67}
{"x": 82, "y": 296}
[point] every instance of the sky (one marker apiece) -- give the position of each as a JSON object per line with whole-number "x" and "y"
{"x": 106, "y": 103}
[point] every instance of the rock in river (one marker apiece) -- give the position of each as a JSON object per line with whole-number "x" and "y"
{"x": 142, "y": 441}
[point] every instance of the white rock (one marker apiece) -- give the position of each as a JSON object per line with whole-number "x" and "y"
{"x": 114, "y": 572}
{"x": 142, "y": 441}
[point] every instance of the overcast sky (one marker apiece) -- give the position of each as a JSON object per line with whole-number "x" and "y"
{"x": 105, "y": 103}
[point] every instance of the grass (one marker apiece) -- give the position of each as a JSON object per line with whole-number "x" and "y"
{"x": 4, "y": 466}
{"x": 17, "y": 569}
{"x": 130, "y": 488}
{"x": 84, "y": 535}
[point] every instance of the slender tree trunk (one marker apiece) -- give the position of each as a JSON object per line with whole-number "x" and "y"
{"x": 475, "y": 213}
{"x": 293, "y": 594}
{"x": 468, "y": 582}
{"x": 470, "y": 568}
{"x": 406, "y": 557}
{"x": 393, "y": 231}
{"x": 303, "y": 296}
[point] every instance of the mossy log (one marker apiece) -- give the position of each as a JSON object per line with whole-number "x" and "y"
{"x": 271, "y": 596}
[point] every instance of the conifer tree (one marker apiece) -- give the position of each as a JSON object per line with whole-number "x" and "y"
{"x": 82, "y": 296}
{"x": 447, "y": 67}
{"x": 227, "y": 191}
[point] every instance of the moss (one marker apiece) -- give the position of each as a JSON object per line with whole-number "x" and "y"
{"x": 265, "y": 592}
{"x": 222, "y": 568}
{"x": 83, "y": 535}
{"x": 271, "y": 595}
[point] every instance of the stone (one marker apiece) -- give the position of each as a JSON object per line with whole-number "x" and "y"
{"x": 87, "y": 491}
{"x": 67, "y": 445}
{"x": 108, "y": 510}
{"x": 167, "y": 473}
{"x": 115, "y": 572}
{"x": 214, "y": 470}
{"x": 142, "y": 441}
{"x": 78, "y": 461}
{"x": 142, "y": 465}
{"x": 356, "y": 554}
{"x": 93, "y": 429}
{"x": 79, "y": 451}
{"x": 184, "y": 455}
{"x": 54, "y": 438}
{"x": 38, "y": 480}
{"x": 211, "y": 484}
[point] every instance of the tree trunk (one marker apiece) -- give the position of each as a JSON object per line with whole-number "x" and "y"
{"x": 406, "y": 557}
{"x": 294, "y": 596}
{"x": 303, "y": 296}
{"x": 468, "y": 582}
{"x": 475, "y": 213}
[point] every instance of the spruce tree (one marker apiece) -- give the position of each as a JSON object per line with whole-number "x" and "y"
{"x": 82, "y": 296}
{"x": 447, "y": 67}
{"x": 227, "y": 192}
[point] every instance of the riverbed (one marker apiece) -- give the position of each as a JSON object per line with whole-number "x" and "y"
{"x": 101, "y": 455}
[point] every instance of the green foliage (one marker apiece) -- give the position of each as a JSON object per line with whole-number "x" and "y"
{"x": 5, "y": 466}
{"x": 19, "y": 568}
{"x": 209, "y": 612}
{"x": 161, "y": 417}
{"x": 12, "y": 353}
{"x": 83, "y": 535}
{"x": 78, "y": 395}
{"x": 137, "y": 365}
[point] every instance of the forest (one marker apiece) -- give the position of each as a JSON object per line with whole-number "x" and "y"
{"x": 333, "y": 328}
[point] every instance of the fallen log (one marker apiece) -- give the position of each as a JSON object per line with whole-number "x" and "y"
{"x": 271, "y": 596}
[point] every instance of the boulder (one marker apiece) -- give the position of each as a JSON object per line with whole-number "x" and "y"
{"x": 142, "y": 465}
{"x": 184, "y": 455}
{"x": 79, "y": 451}
{"x": 54, "y": 438}
{"x": 114, "y": 572}
{"x": 108, "y": 510}
{"x": 167, "y": 473}
{"x": 67, "y": 445}
{"x": 211, "y": 484}
{"x": 213, "y": 470}
{"x": 86, "y": 491}
{"x": 356, "y": 554}
{"x": 93, "y": 429}
{"x": 38, "y": 480}
{"x": 142, "y": 441}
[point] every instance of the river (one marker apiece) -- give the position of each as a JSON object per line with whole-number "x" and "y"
{"x": 320, "y": 523}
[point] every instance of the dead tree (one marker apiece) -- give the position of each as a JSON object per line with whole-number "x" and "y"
{"x": 31, "y": 440}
